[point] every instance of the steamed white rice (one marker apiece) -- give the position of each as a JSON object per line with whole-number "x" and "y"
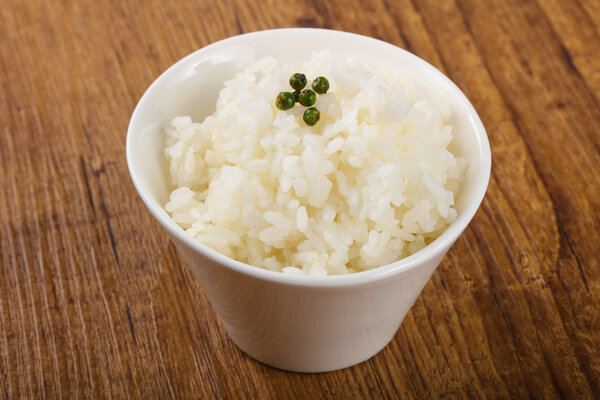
{"x": 372, "y": 182}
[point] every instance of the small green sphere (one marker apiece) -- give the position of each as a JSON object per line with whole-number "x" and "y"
{"x": 307, "y": 97}
{"x": 285, "y": 101}
{"x": 298, "y": 81}
{"x": 311, "y": 116}
{"x": 320, "y": 85}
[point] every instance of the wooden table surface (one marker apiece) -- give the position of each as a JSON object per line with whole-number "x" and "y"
{"x": 95, "y": 302}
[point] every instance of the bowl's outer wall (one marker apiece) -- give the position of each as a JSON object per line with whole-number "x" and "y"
{"x": 304, "y": 328}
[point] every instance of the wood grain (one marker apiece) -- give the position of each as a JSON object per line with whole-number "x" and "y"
{"x": 95, "y": 303}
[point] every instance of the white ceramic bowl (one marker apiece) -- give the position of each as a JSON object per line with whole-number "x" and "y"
{"x": 298, "y": 323}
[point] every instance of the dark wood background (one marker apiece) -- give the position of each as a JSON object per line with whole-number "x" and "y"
{"x": 94, "y": 301}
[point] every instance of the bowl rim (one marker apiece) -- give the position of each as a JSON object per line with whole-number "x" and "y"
{"x": 433, "y": 250}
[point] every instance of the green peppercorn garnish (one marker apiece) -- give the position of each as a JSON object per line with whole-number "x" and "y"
{"x": 311, "y": 116}
{"x": 285, "y": 101}
{"x": 296, "y": 95}
{"x": 320, "y": 85}
{"x": 307, "y": 97}
{"x": 298, "y": 81}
